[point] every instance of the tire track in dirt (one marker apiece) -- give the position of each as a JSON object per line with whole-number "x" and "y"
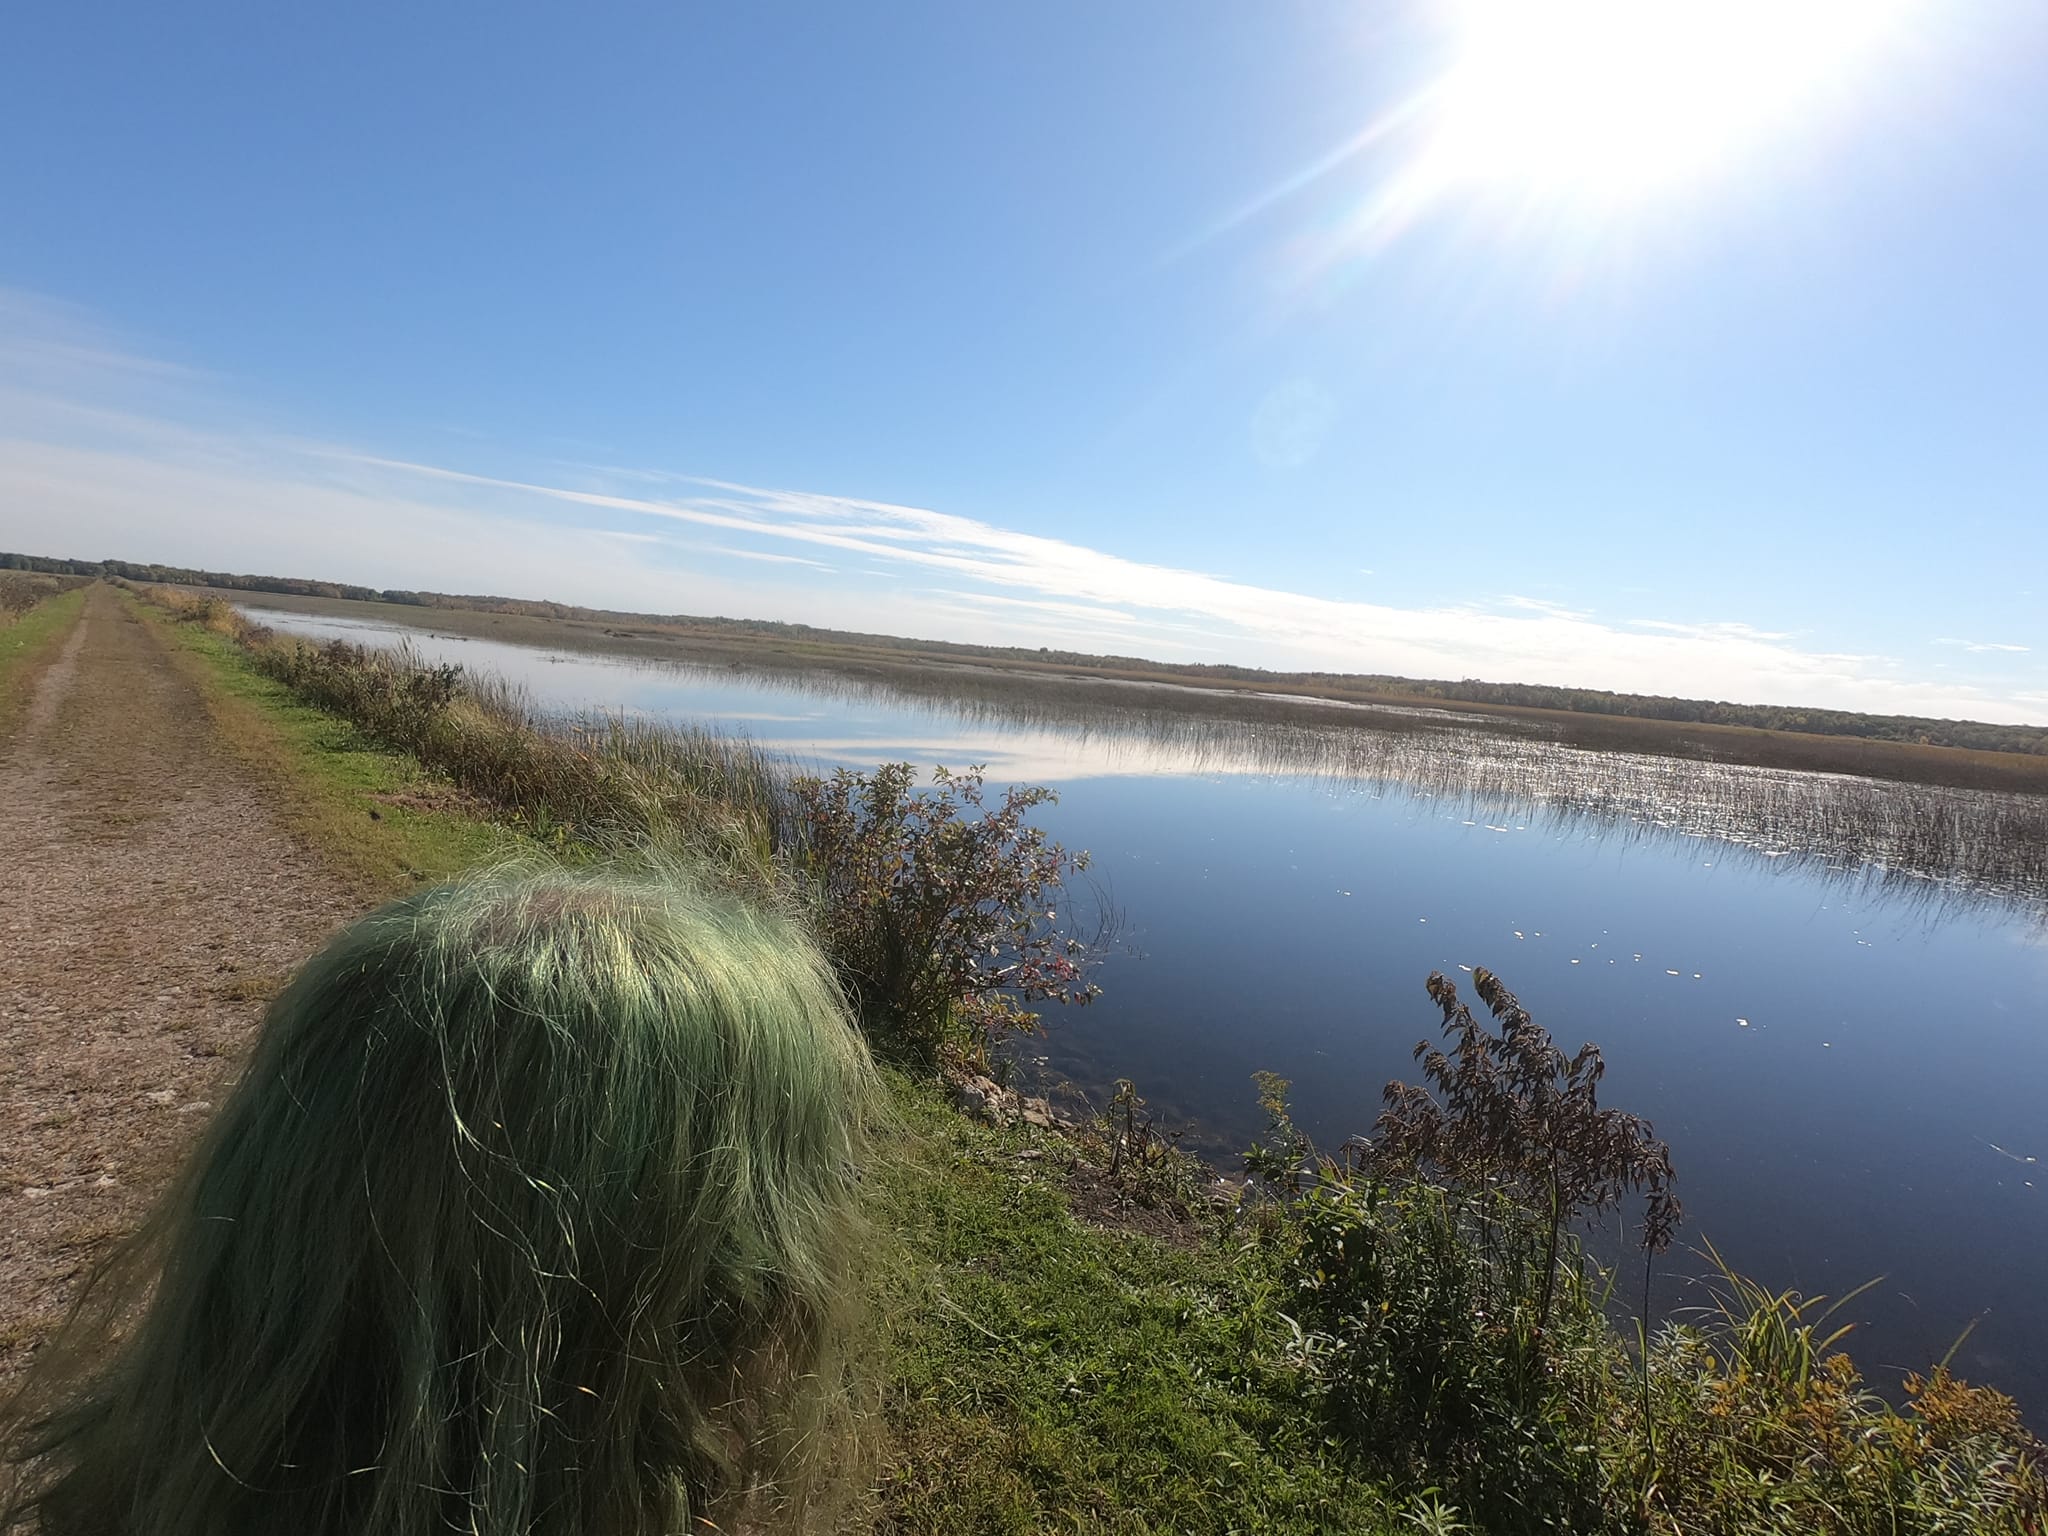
{"x": 150, "y": 900}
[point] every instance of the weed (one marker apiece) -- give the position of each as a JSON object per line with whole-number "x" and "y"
{"x": 1139, "y": 1158}
{"x": 600, "y": 781}
{"x": 942, "y": 913}
{"x": 1518, "y": 1118}
{"x": 1459, "y": 1341}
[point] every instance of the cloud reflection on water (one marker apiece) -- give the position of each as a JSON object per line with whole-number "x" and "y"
{"x": 1921, "y": 844}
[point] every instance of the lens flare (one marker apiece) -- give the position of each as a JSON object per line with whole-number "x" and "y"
{"x": 1605, "y": 102}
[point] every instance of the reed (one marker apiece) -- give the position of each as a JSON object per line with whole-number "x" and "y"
{"x": 1914, "y": 843}
{"x": 610, "y": 781}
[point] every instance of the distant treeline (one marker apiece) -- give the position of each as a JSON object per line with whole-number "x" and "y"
{"x": 1974, "y": 734}
{"x": 299, "y": 586}
{"x": 130, "y": 570}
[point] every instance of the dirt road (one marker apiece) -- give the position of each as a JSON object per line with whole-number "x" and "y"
{"x": 150, "y": 900}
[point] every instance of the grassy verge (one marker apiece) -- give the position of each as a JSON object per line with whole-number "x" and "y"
{"x": 27, "y": 642}
{"x": 1046, "y": 1374}
{"x": 376, "y": 815}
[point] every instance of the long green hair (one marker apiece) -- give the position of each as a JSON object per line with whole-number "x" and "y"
{"x": 532, "y": 1213}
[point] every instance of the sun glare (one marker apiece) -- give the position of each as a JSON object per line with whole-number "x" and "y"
{"x": 1604, "y": 102}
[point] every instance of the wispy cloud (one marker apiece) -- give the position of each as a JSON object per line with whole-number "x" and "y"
{"x": 724, "y": 551}
{"x": 49, "y": 339}
{"x": 1516, "y": 638}
{"x": 92, "y": 464}
{"x": 766, "y": 558}
{"x": 1982, "y": 646}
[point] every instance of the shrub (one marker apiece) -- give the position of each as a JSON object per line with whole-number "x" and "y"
{"x": 1422, "y": 1339}
{"x": 1139, "y": 1154}
{"x": 941, "y": 913}
{"x": 22, "y": 590}
{"x": 1517, "y": 1118}
{"x": 1457, "y": 1338}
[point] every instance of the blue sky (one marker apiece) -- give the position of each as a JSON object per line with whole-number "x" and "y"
{"x": 1196, "y": 330}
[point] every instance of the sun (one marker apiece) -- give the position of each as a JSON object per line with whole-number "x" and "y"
{"x": 1606, "y": 102}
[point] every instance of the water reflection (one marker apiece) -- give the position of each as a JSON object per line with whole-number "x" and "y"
{"x": 1826, "y": 992}
{"x": 1929, "y": 847}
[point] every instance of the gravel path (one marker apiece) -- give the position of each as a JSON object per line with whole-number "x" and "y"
{"x": 150, "y": 901}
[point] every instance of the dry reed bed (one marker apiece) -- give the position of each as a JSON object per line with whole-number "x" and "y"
{"x": 1912, "y": 841}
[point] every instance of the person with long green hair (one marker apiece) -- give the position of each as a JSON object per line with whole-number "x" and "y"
{"x": 532, "y": 1212}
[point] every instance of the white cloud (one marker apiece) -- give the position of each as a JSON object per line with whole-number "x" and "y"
{"x": 1535, "y": 640}
{"x": 1982, "y": 646}
{"x": 97, "y": 464}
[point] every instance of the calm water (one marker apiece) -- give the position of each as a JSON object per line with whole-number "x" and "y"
{"x": 1830, "y": 996}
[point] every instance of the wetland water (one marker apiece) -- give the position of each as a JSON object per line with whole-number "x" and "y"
{"x": 1829, "y": 994}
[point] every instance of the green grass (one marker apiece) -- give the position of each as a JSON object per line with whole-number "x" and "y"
{"x": 1046, "y": 1374}
{"x": 375, "y": 814}
{"x": 29, "y": 639}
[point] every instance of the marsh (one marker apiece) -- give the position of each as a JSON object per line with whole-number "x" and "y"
{"x": 1824, "y": 990}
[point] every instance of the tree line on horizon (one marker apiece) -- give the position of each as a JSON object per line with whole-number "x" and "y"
{"x": 1975, "y": 735}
